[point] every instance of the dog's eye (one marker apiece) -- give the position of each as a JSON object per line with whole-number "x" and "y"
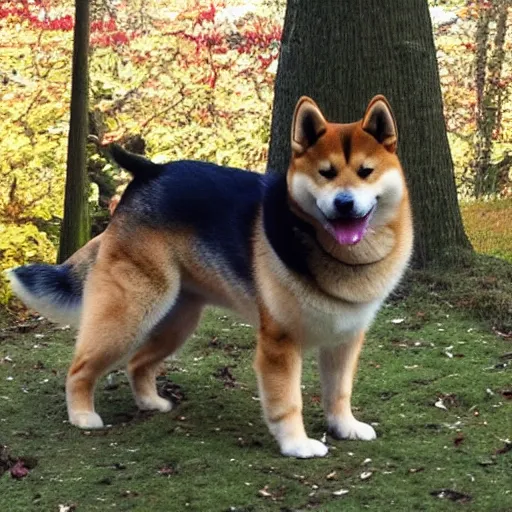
{"x": 364, "y": 172}
{"x": 329, "y": 174}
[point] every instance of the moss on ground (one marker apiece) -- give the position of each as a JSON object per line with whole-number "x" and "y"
{"x": 213, "y": 452}
{"x": 481, "y": 287}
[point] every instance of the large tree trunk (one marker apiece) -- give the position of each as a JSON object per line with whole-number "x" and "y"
{"x": 341, "y": 53}
{"x": 75, "y": 226}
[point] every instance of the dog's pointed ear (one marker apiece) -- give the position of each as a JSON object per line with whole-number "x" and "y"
{"x": 308, "y": 125}
{"x": 379, "y": 122}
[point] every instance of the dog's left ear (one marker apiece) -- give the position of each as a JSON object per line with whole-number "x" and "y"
{"x": 308, "y": 125}
{"x": 379, "y": 122}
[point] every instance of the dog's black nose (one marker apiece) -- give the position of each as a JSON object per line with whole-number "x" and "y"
{"x": 344, "y": 204}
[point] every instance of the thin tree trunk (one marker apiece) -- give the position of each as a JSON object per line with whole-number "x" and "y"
{"x": 489, "y": 94}
{"x": 75, "y": 226}
{"x": 482, "y": 47}
{"x": 342, "y": 53}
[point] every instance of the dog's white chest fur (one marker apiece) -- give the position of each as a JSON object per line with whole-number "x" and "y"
{"x": 335, "y": 324}
{"x": 313, "y": 318}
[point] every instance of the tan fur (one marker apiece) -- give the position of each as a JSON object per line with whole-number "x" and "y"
{"x": 133, "y": 283}
{"x": 128, "y": 291}
{"x": 278, "y": 367}
{"x": 164, "y": 341}
{"x": 338, "y": 366}
{"x": 112, "y": 205}
{"x": 349, "y": 282}
{"x": 136, "y": 275}
{"x": 366, "y": 282}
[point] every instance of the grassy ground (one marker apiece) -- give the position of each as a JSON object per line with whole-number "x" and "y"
{"x": 488, "y": 225}
{"x": 213, "y": 453}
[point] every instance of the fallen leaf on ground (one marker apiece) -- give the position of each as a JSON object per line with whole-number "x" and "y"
{"x": 172, "y": 392}
{"x": 447, "y": 399}
{"x": 506, "y": 335}
{"x": 225, "y": 375}
{"x": 497, "y": 366}
{"x": 507, "y": 448}
{"x": 487, "y": 462}
{"x": 274, "y": 495}
{"x": 439, "y": 404}
{"x": 452, "y": 495}
{"x": 19, "y": 470}
{"x": 18, "y": 467}
{"x": 459, "y": 439}
{"x": 129, "y": 494}
{"x": 67, "y": 508}
{"x": 167, "y": 470}
{"x": 264, "y": 492}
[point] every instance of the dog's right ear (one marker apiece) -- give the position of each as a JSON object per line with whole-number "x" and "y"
{"x": 308, "y": 125}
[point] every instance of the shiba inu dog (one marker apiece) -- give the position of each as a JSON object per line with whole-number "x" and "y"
{"x": 308, "y": 257}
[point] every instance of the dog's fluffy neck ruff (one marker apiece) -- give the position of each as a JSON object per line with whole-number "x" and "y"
{"x": 361, "y": 273}
{"x": 294, "y": 234}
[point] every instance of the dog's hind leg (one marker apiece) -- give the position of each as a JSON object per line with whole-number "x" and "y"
{"x": 164, "y": 340}
{"x": 123, "y": 301}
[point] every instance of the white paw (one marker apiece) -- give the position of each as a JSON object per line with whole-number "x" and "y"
{"x": 304, "y": 448}
{"x": 86, "y": 420}
{"x": 154, "y": 403}
{"x": 350, "y": 428}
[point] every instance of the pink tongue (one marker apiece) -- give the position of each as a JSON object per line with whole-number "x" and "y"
{"x": 349, "y": 232}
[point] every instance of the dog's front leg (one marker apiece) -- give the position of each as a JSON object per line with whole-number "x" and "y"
{"x": 338, "y": 366}
{"x": 278, "y": 367}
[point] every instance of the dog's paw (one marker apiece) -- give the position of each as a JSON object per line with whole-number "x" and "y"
{"x": 154, "y": 403}
{"x": 86, "y": 420}
{"x": 305, "y": 448}
{"x": 350, "y": 428}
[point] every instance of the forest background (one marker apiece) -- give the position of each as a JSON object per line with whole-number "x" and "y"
{"x": 194, "y": 79}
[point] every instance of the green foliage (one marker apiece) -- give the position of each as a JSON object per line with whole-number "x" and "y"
{"x": 193, "y": 90}
{"x": 462, "y": 76}
{"x": 18, "y": 245}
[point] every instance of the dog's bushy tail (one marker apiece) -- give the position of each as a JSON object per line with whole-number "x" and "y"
{"x": 55, "y": 291}
{"x": 139, "y": 167}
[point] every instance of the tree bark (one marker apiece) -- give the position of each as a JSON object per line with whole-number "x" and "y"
{"x": 489, "y": 94}
{"x": 342, "y": 53}
{"x": 75, "y": 229}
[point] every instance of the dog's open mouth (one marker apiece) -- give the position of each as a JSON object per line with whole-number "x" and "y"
{"x": 349, "y": 231}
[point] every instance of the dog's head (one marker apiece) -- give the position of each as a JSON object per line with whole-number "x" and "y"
{"x": 345, "y": 178}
